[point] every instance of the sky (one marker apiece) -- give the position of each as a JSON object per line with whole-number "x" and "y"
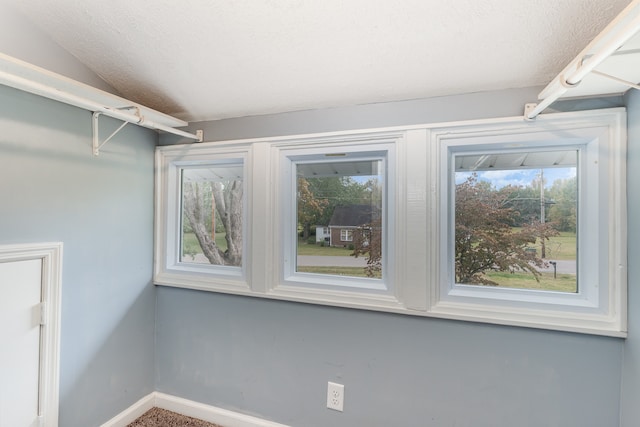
{"x": 518, "y": 177}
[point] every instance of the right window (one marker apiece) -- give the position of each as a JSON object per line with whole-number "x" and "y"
{"x": 516, "y": 218}
{"x": 533, "y": 223}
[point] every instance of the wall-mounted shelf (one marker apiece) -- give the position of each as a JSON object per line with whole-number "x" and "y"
{"x": 33, "y": 79}
{"x": 610, "y": 64}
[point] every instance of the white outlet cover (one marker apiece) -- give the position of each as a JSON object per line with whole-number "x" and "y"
{"x": 335, "y": 396}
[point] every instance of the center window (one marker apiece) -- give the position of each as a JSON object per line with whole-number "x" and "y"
{"x": 337, "y": 214}
{"x": 345, "y": 197}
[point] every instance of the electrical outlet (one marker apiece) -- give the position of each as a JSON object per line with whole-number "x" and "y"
{"x": 335, "y": 396}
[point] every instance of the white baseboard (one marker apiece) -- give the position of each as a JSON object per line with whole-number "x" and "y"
{"x": 189, "y": 408}
{"x": 134, "y": 411}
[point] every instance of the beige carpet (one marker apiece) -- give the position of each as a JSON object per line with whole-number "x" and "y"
{"x": 157, "y": 417}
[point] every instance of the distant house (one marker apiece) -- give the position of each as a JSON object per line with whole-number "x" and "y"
{"x": 346, "y": 220}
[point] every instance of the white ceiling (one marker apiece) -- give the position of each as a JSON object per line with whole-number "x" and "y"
{"x": 212, "y": 59}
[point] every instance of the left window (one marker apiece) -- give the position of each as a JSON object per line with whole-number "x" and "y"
{"x": 202, "y": 231}
{"x": 212, "y": 221}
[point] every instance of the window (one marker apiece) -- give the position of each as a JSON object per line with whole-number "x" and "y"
{"x": 344, "y": 188}
{"x": 502, "y": 221}
{"x": 212, "y": 214}
{"x": 348, "y": 196}
{"x": 531, "y": 222}
{"x": 515, "y": 219}
{"x": 346, "y": 235}
{"x": 201, "y": 229}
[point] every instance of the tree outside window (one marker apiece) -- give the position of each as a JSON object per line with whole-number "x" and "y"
{"x": 514, "y": 233}
{"x": 212, "y": 215}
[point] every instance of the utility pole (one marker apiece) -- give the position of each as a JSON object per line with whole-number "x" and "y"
{"x": 543, "y": 248}
{"x": 213, "y": 215}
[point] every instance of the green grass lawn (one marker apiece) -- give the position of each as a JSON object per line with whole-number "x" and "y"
{"x": 305, "y": 248}
{"x": 310, "y": 249}
{"x": 337, "y": 271}
{"x": 190, "y": 245}
{"x": 563, "y": 282}
{"x": 560, "y": 247}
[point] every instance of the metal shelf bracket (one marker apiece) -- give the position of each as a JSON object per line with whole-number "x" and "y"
{"x": 616, "y": 79}
{"x": 528, "y": 109}
{"x": 97, "y": 145}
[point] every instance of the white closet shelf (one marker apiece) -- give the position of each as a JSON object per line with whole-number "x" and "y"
{"x": 33, "y": 79}
{"x": 609, "y": 65}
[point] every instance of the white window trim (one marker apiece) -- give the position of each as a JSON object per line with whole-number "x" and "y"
{"x": 416, "y": 236}
{"x": 168, "y": 269}
{"x": 289, "y": 284}
{"x": 599, "y": 305}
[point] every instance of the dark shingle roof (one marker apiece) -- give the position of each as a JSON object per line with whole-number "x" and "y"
{"x": 353, "y": 215}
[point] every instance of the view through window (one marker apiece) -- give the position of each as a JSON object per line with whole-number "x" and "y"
{"x": 212, "y": 215}
{"x": 516, "y": 217}
{"x": 340, "y": 218}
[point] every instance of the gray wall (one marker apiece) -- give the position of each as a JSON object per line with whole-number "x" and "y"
{"x": 432, "y": 110}
{"x": 53, "y": 189}
{"x": 631, "y": 367}
{"x": 273, "y": 359}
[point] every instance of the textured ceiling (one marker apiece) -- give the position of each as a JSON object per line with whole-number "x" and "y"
{"x": 211, "y": 59}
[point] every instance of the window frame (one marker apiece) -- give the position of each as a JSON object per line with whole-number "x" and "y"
{"x": 416, "y": 225}
{"x": 347, "y": 289}
{"x": 168, "y": 268}
{"x": 348, "y": 234}
{"x": 599, "y": 306}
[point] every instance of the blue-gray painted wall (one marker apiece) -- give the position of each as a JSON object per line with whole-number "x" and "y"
{"x": 273, "y": 359}
{"x": 630, "y": 399}
{"x": 53, "y": 189}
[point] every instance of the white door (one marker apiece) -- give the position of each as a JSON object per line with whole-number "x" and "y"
{"x": 20, "y": 297}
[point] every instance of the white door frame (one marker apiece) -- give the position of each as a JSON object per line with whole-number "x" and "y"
{"x": 51, "y": 256}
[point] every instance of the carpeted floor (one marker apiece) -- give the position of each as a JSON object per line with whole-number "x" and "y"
{"x": 156, "y": 417}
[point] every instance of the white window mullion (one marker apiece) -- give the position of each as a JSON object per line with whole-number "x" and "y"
{"x": 260, "y": 274}
{"x": 415, "y": 259}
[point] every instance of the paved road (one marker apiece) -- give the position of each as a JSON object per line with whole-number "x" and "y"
{"x": 331, "y": 261}
{"x": 563, "y": 267}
